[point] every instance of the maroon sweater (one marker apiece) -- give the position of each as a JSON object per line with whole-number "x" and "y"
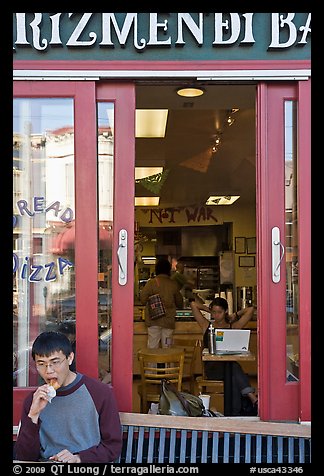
{"x": 83, "y": 418}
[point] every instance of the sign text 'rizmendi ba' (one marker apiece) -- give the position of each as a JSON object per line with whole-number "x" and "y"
{"x": 42, "y": 31}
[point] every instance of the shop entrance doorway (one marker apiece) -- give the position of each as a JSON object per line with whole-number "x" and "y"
{"x": 195, "y": 198}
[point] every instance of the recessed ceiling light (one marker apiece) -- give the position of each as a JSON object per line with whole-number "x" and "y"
{"x": 222, "y": 199}
{"x": 147, "y": 201}
{"x": 190, "y": 92}
{"x": 150, "y": 122}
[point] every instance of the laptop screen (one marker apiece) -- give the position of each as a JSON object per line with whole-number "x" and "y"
{"x": 234, "y": 340}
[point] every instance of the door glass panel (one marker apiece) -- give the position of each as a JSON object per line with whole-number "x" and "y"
{"x": 105, "y": 113}
{"x": 291, "y": 215}
{"x": 43, "y": 226}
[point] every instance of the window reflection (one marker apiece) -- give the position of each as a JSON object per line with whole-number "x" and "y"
{"x": 43, "y": 223}
{"x": 291, "y": 215}
{"x": 105, "y": 113}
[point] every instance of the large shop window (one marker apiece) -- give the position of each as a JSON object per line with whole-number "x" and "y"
{"x": 291, "y": 214}
{"x": 43, "y": 226}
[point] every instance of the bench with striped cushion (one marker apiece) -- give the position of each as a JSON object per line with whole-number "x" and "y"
{"x": 170, "y": 439}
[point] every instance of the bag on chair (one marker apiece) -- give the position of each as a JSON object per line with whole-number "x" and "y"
{"x": 173, "y": 402}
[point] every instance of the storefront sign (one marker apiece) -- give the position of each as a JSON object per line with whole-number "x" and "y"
{"x": 179, "y": 216}
{"x": 48, "y": 272}
{"x": 35, "y": 273}
{"x": 38, "y": 206}
{"x": 61, "y": 33}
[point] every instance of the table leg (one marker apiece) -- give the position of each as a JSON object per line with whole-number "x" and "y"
{"x": 228, "y": 410}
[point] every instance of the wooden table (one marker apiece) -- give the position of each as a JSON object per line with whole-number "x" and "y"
{"x": 228, "y": 360}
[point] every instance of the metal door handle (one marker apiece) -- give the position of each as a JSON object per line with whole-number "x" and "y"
{"x": 278, "y": 252}
{"x": 122, "y": 257}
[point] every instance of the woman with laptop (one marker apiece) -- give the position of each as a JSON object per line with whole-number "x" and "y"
{"x": 218, "y": 309}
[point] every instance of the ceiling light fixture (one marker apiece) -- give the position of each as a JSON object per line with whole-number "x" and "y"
{"x": 150, "y": 122}
{"x": 190, "y": 92}
{"x": 222, "y": 199}
{"x": 148, "y": 259}
{"x": 147, "y": 201}
{"x": 230, "y": 119}
{"x": 217, "y": 139}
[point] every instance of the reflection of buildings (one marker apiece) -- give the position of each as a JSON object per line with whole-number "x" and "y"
{"x": 44, "y": 223}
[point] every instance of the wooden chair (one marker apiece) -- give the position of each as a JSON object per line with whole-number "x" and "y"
{"x": 207, "y": 386}
{"x": 156, "y": 364}
{"x": 191, "y": 349}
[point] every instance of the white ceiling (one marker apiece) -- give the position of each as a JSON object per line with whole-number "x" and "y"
{"x": 192, "y": 123}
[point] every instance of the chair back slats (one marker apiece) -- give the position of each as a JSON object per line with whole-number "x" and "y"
{"x": 154, "y": 367}
{"x": 165, "y": 445}
{"x": 191, "y": 349}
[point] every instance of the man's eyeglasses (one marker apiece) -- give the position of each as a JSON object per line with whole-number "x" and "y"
{"x": 55, "y": 364}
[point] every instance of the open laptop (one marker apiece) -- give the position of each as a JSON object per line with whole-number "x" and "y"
{"x": 232, "y": 341}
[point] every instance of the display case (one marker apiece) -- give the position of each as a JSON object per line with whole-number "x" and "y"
{"x": 203, "y": 272}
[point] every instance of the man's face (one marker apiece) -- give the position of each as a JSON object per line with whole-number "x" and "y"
{"x": 54, "y": 367}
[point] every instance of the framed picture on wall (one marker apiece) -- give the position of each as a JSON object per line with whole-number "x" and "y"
{"x": 246, "y": 261}
{"x": 240, "y": 244}
{"x": 251, "y": 245}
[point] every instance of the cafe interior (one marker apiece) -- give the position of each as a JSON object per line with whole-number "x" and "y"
{"x": 195, "y": 188}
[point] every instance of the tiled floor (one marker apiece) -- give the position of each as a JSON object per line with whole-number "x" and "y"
{"x": 216, "y": 401}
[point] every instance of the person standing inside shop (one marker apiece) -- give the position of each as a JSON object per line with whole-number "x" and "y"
{"x": 76, "y": 423}
{"x": 185, "y": 285}
{"x": 244, "y": 399}
{"x": 160, "y": 330}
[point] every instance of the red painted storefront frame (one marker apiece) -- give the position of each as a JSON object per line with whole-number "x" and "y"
{"x": 279, "y": 399}
{"x": 122, "y": 350}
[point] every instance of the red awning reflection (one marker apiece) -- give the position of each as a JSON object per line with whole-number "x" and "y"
{"x": 65, "y": 239}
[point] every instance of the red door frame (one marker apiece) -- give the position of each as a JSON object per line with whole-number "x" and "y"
{"x": 85, "y": 151}
{"x": 279, "y": 399}
{"x": 124, "y": 215}
{"x": 86, "y": 246}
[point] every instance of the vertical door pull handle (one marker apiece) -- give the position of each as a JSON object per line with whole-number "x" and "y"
{"x": 278, "y": 252}
{"x": 122, "y": 257}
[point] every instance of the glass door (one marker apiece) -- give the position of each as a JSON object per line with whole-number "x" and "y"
{"x": 284, "y": 250}
{"x": 73, "y": 207}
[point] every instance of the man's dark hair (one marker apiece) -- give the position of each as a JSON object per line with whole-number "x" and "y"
{"x": 163, "y": 266}
{"x": 49, "y": 342}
